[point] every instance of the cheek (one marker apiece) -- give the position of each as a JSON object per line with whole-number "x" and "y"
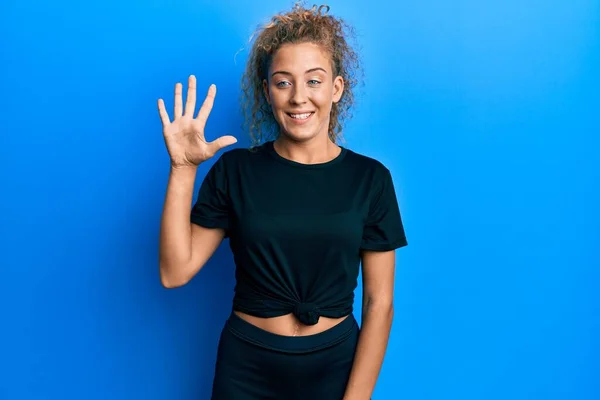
{"x": 323, "y": 100}
{"x": 278, "y": 99}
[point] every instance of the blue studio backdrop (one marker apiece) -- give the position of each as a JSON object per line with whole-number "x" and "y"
{"x": 486, "y": 113}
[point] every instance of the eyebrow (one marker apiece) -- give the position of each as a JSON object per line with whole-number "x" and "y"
{"x": 307, "y": 71}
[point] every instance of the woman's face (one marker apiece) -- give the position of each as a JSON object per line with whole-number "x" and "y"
{"x": 301, "y": 90}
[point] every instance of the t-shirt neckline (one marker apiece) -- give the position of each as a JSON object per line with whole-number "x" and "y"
{"x": 269, "y": 146}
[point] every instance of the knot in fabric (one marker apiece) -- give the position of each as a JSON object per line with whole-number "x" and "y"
{"x": 307, "y": 313}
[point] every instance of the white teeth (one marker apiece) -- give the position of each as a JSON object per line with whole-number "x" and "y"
{"x": 300, "y": 116}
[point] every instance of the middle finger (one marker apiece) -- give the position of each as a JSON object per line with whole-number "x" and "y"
{"x": 178, "y": 101}
{"x": 190, "y": 103}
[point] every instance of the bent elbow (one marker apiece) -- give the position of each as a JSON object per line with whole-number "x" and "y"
{"x": 168, "y": 284}
{"x": 170, "y": 280}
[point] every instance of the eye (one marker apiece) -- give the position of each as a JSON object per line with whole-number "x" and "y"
{"x": 314, "y": 82}
{"x": 280, "y": 84}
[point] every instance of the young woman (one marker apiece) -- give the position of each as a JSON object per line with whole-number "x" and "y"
{"x": 301, "y": 212}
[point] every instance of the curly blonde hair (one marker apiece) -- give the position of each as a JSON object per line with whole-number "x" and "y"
{"x": 300, "y": 25}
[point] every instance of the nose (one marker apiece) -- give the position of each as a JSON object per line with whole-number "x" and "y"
{"x": 298, "y": 95}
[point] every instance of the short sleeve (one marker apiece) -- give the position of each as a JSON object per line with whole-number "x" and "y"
{"x": 211, "y": 209}
{"x": 383, "y": 229}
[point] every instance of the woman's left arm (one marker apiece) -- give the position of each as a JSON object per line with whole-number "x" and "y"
{"x": 377, "y": 313}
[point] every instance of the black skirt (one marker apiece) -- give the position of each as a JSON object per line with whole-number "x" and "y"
{"x": 253, "y": 364}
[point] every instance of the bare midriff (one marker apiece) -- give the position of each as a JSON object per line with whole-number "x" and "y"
{"x": 289, "y": 325}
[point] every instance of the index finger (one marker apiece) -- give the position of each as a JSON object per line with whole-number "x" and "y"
{"x": 162, "y": 111}
{"x": 207, "y": 105}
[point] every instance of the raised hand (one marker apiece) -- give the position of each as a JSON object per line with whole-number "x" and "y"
{"x": 184, "y": 136}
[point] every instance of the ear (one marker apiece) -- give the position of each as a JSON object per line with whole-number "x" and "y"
{"x": 338, "y": 88}
{"x": 266, "y": 90}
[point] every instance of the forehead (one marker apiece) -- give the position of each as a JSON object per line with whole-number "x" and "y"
{"x": 300, "y": 57}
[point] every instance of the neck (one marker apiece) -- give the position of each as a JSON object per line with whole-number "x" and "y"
{"x": 317, "y": 150}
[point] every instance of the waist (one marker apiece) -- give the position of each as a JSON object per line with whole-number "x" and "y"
{"x": 289, "y": 324}
{"x": 277, "y": 313}
{"x": 299, "y": 344}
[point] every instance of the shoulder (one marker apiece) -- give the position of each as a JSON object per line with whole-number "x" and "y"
{"x": 237, "y": 161}
{"x": 368, "y": 164}
{"x": 235, "y": 155}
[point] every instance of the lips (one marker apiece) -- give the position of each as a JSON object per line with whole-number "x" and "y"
{"x": 306, "y": 117}
{"x": 301, "y": 115}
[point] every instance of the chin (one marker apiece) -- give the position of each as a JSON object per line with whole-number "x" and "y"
{"x": 298, "y": 135}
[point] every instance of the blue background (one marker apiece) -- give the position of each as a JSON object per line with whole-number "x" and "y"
{"x": 486, "y": 112}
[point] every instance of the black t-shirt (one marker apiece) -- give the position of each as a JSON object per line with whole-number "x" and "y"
{"x": 296, "y": 230}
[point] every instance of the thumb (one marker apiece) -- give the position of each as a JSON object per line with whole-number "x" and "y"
{"x": 220, "y": 143}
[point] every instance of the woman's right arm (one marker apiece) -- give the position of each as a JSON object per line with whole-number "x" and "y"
{"x": 184, "y": 246}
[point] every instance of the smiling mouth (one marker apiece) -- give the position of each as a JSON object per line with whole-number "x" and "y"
{"x": 300, "y": 116}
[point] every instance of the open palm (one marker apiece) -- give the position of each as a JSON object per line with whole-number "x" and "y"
{"x": 184, "y": 136}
